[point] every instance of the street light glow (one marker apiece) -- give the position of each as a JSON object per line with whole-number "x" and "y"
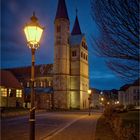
{"x": 102, "y": 99}
{"x": 117, "y": 102}
{"x": 89, "y": 91}
{"x": 33, "y": 32}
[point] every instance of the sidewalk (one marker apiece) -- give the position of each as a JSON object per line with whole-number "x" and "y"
{"x": 82, "y": 129}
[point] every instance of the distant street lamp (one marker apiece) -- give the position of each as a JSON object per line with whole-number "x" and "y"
{"x": 102, "y": 99}
{"x": 89, "y": 99}
{"x": 33, "y": 32}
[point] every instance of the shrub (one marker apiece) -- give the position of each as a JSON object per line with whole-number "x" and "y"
{"x": 121, "y": 131}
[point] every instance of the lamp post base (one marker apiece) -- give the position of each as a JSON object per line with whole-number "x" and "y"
{"x": 32, "y": 124}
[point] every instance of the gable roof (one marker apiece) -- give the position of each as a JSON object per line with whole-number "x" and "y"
{"x": 125, "y": 87}
{"x": 61, "y": 10}
{"x": 40, "y": 70}
{"x": 135, "y": 83}
{"x": 76, "y": 39}
{"x": 8, "y": 80}
{"x": 76, "y": 28}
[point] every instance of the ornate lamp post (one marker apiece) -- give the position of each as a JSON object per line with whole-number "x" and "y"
{"x": 33, "y": 32}
{"x": 89, "y": 99}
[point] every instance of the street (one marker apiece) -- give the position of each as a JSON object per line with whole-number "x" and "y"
{"x": 52, "y": 126}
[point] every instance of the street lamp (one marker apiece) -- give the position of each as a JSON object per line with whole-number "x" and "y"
{"x": 102, "y": 99}
{"x": 89, "y": 99}
{"x": 33, "y": 32}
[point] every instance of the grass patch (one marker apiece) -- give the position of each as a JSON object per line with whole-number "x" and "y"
{"x": 14, "y": 109}
{"x": 13, "y": 112}
{"x": 103, "y": 130}
{"x": 131, "y": 117}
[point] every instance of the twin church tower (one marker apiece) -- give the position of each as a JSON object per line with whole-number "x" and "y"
{"x": 70, "y": 78}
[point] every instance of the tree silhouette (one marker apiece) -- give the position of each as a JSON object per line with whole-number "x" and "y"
{"x": 118, "y": 21}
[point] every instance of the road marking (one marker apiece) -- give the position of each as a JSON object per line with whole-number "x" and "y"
{"x": 55, "y": 132}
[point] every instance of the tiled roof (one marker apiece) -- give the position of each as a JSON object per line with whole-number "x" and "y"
{"x": 76, "y": 28}
{"x": 40, "y": 70}
{"x": 135, "y": 83}
{"x": 61, "y": 10}
{"x": 76, "y": 39}
{"x": 8, "y": 80}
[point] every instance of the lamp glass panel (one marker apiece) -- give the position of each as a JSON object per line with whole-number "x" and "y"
{"x": 33, "y": 34}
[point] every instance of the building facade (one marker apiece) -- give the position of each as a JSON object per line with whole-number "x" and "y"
{"x": 43, "y": 84}
{"x": 11, "y": 92}
{"x": 129, "y": 94}
{"x": 70, "y": 78}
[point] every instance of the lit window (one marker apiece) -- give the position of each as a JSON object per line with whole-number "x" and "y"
{"x": 9, "y": 92}
{"x": 3, "y": 92}
{"x": 41, "y": 84}
{"x": 73, "y": 53}
{"x": 28, "y": 84}
{"x": 49, "y": 83}
{"x": 34, "y": 84}
{"x": 18, "y": 93}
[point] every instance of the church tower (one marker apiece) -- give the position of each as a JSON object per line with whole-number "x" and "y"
{"x": 79, "y": 79}
{"x": 61, "y": 68}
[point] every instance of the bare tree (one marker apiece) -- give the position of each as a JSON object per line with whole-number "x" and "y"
{"x": 118, "y": 21}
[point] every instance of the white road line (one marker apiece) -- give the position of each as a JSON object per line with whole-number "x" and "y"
{"x": 61, "y": 129}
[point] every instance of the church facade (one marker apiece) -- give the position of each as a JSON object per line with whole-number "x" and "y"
{"x": 70, "y": 68}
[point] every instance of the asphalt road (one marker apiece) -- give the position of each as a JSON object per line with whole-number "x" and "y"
{"x": 52, "y": 126}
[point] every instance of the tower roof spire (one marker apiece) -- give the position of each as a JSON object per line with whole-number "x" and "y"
{"x": 76, "y": 28}
{"x": 61, "y": 10}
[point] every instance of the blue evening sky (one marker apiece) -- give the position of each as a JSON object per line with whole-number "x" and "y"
{"x": 15, "y": 53}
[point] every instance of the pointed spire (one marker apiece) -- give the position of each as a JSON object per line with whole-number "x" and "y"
{"x": 61, "y": 10}
{"x": 76, "y": 28}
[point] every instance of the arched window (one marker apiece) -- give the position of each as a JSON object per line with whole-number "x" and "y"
{"x": 86, "y": 57}
{"x": 73, "y": 53}
{"x": 82, "y": 54}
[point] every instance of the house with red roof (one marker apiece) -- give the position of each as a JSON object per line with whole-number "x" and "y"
{"x": 11, "y": 91}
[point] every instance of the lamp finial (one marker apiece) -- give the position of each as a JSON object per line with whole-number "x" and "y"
{"x": 34, "y": 18}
